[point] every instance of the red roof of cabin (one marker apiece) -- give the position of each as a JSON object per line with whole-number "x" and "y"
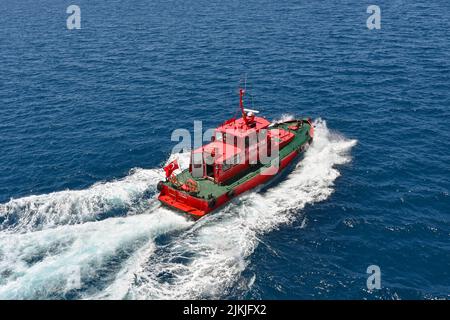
{"x": 239, "y": 128}
{"x": 236, "y": 127}
{"x": 222, "y": 150}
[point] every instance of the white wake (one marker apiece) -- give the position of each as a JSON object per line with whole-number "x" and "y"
{"x": 61, "y": 262}
{"x": 67, "y": 244}
{"x": 78, "y": 206}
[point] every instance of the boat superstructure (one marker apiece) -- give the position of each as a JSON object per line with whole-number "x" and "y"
{"x": 243, "y": 153}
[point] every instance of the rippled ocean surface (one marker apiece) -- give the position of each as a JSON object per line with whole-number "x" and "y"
{"x": 85, "y": 125}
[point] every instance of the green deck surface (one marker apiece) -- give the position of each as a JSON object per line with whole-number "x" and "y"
{"x": 208, "y": 188}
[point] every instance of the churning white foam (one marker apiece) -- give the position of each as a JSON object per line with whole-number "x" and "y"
{"x": 47, "y": 240}
{"x": 77, "y": 206}
{"x": 207, "y": 260}
{"x": 60, "y": 262}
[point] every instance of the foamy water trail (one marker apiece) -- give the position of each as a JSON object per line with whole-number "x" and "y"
{"x": 71, "y": 260}
{"x": 68, "y": 244}
{"x": 78, "y": 206}
{"x": 208, "y": 259}
{"x": 100, "y": 201}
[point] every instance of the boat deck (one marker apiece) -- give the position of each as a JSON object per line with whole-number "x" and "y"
{"x": 209, "y": 189}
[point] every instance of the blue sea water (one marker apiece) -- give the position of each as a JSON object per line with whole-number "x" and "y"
{"x": 86, "y": 118}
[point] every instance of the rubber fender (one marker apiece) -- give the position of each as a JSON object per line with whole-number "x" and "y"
{"x": 230, "y": 193}
{"x": 159, "y": 186}
{"x": 212, "y": 203}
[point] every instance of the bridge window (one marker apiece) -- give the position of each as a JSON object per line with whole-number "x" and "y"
{"x": 219, "y": 136}
{"x": 225, "y": 167}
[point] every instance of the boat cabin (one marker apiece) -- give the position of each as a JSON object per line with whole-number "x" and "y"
{"x": 235, "y": 146}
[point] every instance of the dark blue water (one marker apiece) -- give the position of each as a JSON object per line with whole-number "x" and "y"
{"x": 79, "y": 109}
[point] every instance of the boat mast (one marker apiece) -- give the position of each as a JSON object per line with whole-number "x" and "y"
{"x": 241, "y": 104}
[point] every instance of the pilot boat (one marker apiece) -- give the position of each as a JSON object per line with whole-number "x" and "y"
{"x": 243, "y": 153}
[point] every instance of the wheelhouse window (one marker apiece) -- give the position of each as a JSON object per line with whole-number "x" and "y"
{"x": 229, "y": 163}
{"x": 237, "y": 159}
{"x": 225, "y": 167}
{"x": 219, "y": 136}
